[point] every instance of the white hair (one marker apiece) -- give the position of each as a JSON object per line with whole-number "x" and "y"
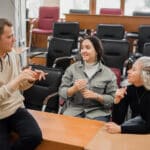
{"x": 145, "y": 71}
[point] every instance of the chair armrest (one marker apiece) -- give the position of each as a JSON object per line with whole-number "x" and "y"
{"x": 75, "y": 51}
{"x": 47, "y": 99}
{"x": 72, "y": 57}
{"x": 34, "y": 54}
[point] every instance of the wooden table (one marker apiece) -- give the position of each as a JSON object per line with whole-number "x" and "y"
{"x": 70, "y": 133}
{"x": 64, "y": 132}
{"x": 106, "y": 141}
{"x": 131, "y": 23}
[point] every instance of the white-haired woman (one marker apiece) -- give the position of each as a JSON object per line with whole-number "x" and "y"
{"x": 137, "y": 96}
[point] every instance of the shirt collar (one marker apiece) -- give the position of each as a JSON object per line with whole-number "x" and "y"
{"x": 100, "y": 66}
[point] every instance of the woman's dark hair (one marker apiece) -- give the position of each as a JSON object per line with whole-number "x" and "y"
{"x": 97, "y": 44}
{"x": 4, "y": 22}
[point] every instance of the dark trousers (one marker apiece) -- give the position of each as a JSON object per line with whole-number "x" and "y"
{"x": 25, "y": 126}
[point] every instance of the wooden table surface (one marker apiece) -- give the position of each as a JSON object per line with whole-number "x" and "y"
{"x": 64, "y": 132}
{"x": 107, "y": 141}
{"x": 86, "y": 21}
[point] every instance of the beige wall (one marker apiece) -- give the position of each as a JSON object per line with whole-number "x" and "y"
{"x": 51, "y": 2}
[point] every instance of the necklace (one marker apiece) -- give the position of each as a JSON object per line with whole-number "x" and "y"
{"x": 140, "y": 96}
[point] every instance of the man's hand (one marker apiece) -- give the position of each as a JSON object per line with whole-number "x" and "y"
{"x": 27, "y": 74}
{"x": 40, "y": 74}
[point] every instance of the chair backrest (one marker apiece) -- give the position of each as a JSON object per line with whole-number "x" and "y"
{"x": 141, "y": 13}
{"x": 59, "y": 47}
{"x": 79, "y": 11}
{"x": 115, "y": 53}
{"x": 110, "y": 11}
{"x": 47, "y": 16}
{"x": 117, "y": 72}
{"x": 35, "y": 96}
{"x": 110, "y": 31}
{"x": 146, "y": 50}
{"x": 67, "y": 30}
{"x": 144, "y": 36}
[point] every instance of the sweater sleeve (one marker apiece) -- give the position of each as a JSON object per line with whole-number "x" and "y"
{"x": 110, "y": 92}
{"x": 119, "y": 111}
{"x": 23, "y": 85}
{"x": 66, "y": 83}
{"x": 135, "y": 125}
{"x": 5, "y": 92}
{"x": 141, "y": 123}
{"x": 146, "y": 114}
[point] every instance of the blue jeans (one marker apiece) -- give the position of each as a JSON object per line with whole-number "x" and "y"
{"x": 25, "y": 126}
{"x": 103, "y": 118}
{"x": 100, "y": 118}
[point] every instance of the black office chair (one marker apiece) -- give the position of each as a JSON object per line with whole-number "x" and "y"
{"x": 82, "y": 32}
{"x": 141, "y": 13}
{"x": 116, "y": 52}
{"x": 44, "y": 89}
{"x": 110, "y": 31}
{"x": 144, "y": 37}
{"x": 79, "y": 11}
{"x": 43, "y": 94}
{"x": 59, "y": 53}
{"x": 146, "y": 49}
{"x": 67, "y": 30}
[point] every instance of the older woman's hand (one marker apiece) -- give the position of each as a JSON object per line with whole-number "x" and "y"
{"x": 112, "y": 127}
{"x": 120, "y": 93}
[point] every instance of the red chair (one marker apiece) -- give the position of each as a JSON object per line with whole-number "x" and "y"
{"x": 44, "y": 25}
{"x": 117, "y": 72}
{"x": 110, "y": 11}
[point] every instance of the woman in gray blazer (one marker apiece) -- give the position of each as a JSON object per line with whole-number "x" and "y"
{"x": 88, "y": 86}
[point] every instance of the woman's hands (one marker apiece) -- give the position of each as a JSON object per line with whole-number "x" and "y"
{"x": 112, "y": 127}
{"x": 120, "y": 93}
{"x": 89, "y": 94}
{"x": 80, "y": 84}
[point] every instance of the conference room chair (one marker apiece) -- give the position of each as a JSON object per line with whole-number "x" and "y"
{"x": 146, "y": 49}
{"x": 43, "y": 90}
{"x": 43, "y": 94}
{"x": 110, "y": 31}
{"x": 141, "y": 13}
{"x": 79, "y": 11}
{"x": 144, "y": 37}
{"x": 82, "y": 32}
{"x": 43, "y": 26}
{"x": 116, "y": 52}
{"x": 59, "y": 53}
{"x": 67, "y": 30}
{"x": 110, "y": 11}
{"x": 135, "y": 35}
